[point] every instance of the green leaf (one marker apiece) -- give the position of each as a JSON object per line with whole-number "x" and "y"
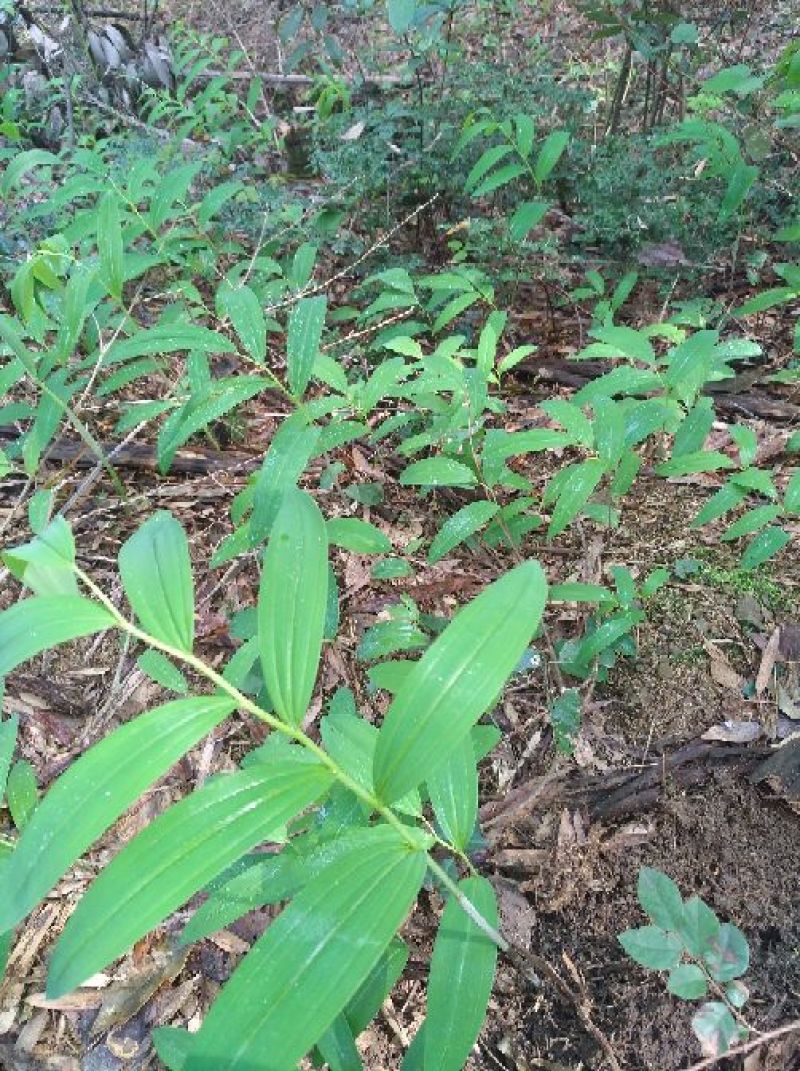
{"x": 464, "y": 523}
{"x": 173, "y": 1046}
{"x": 499, "y": 178}
{"x": 453, "y": 792}
{"x": 45, "y": 565}
{"x": 312, "y": 959}
{"x": 715, "y": 1028}
{"x": 577, "y": 592}
{"x": 701, "y": 461}
{"x": 484, "y": 164}
{"x": 401, "y": 14}
{"x": 8, "y": 738}
{"x": 159, "y": 668}
{"x": 174, "y": 857}
{"x": 751, "y": 521}
{"x": 33, "y": 625}
{"x": 109, "y": 243}
{"x": 687, "y": 981}
{"x": 358, "y": 536}
{"x": 438, "y": 472}
{"x": 21, "y": 793}
{"x": 550, "y": 153}
{"x": 767, "y": 543}
{"x": 168, "y": 338}
{"x": 351, "y": 742}
{"x": 767, "y": 299}
{"x": 652, "y": 947}
{"x": 367, "y": 1002}
{"x": 721, "y": 502}
{"x": 565, "y": 718}
{"x": 156, "y": 574}
{"x": 241, "y": 306}
{"x": 660, "y": 897}
{"x": 727, "y": 954}
{"x": 461, "y": 978}
{"x": 94, "y": 792}
{"x": 292, "y": 604}
{"x": 526, "y": 216}
{"x": 791, "y": 496}
{"x": 198, "y": 414}
{"x": 289, "y": 452}
{"x": 741, "y": 179}
{"x": 578, "y": 483}
{"x": 623, "y": 341}
{"x": 457, "y": 679}
{"x": 306, "y": 321}
{"x": 337, "y": 1047}
{"x": 698, "y": 927}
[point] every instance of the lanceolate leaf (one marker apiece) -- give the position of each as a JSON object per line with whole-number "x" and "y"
{"x": 289, "y": 452}
{"x": 29, "y": 627}
{"x": 581, "y": 480}
{"x": 94, "y": 792}
{"x": 173, "y": 858}
{"x": 457, "y": 679}
{"x": 453, "y": 791}
{"x": 464, "y": 523}
{"x": 292, "y": 603}
{"x": 243, "y": 309}
{"x": 156, "y": 573}
{"x": 461, "y": 977}
{"x": 290, "y": 987}
{"x": 8, "y": 738}
{"x": 302, "y": 341}
{"x": 109, "y": 243}
{"x": 438, "y": 472}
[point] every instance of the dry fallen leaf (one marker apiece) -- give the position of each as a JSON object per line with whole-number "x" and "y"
{"x": 734, "y": 732}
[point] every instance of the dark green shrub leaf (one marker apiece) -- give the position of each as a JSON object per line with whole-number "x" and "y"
{"x": 715, "y": 1028}
{"x": 109, "y": 243}
{"x": 652, "y": 947}
{"x": 766, "y": 544}
{"x": 699, "y": 925}
{"x": 376, "y": 987}
{"x": 727, "y": 955}
{"x": 660, "y": 898}
{"x": 8, "y": 738}
{"x": 574, "y": 491}
{"x": 241, "y": 306}
{"x": 159, "y": 668}
{"x": 550, "y": 153}
{"x": 687, "y": 981}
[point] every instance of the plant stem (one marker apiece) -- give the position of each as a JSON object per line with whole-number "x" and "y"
{"x": 295, "y": 733}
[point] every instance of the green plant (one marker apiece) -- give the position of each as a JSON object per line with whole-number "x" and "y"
{"x": 703, "y": 956}
{"x": 349, "y": 812}
{"x": 18, "y": 791}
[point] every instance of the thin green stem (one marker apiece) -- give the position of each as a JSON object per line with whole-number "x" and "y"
{"x": 296, "y": 733}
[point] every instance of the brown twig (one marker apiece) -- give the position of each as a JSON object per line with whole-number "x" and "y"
{"x": 747, "y": 1046}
